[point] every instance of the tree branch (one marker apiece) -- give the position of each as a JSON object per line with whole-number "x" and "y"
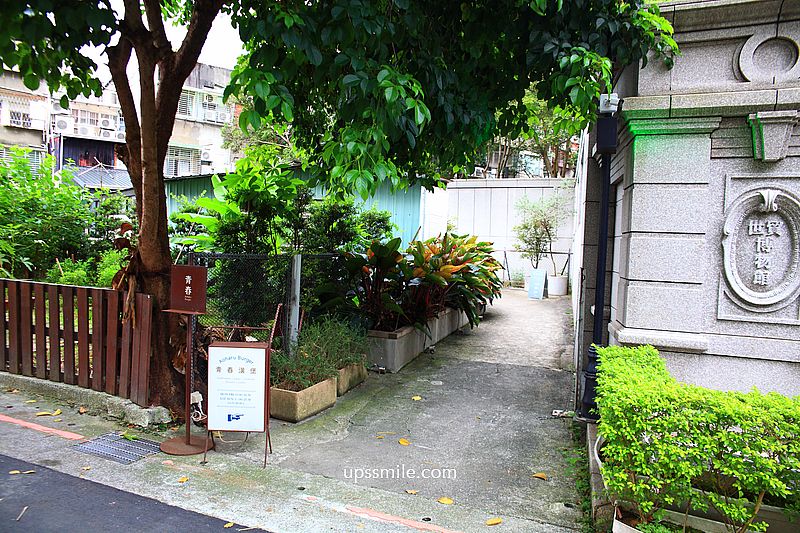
{"x": 152, "y": 9}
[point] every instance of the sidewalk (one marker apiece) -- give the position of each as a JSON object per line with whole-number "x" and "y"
{"x": 483, "y": 421}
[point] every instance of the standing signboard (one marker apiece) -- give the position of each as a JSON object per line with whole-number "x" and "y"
{"x": 188, "y": 286}
{"x": 537, "y": 284}
{"x": 238, "y": 388}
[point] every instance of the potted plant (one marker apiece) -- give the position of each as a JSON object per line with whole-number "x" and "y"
{"x": 344, "y": 346}
{"x": 538, "y": 228}
{"x": 712, "y": 460}
{"x": 305, "y": 384}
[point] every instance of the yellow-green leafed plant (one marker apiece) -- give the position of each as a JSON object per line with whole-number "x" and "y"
{"x": 453, "y": 271}
{"x": 671, "y": 444}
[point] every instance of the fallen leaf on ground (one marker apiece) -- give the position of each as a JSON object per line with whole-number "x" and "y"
{"x": 12, "y": 391}
{"x": 31, "y": 401}
{"x": 494, "y": 521}
{"x": 57, "y": 412}
{"x": 12, "y": 472}
{"x": 386, "y": 433}
{"x": 81, "y": 409}
{"x": 411, "y": 491}
{"x": 57, "y": 420}
{"x": 228, "y": 525}
{"x": 44, "y": 413}
{"x": 168, "y": 462}
{"x": 29, "y": 472}
{"x": 445, "y": 500}
{"x": 87, "y": 468}
{"x": 183, "y": 479}
{"x": 404, "y": 442}
{"x": 540, "y": 475}
{"x": 416, "y": 398}
{"x": 379, "y": 437}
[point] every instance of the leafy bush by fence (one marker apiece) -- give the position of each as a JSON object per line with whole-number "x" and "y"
{"x": 668, "y": 443}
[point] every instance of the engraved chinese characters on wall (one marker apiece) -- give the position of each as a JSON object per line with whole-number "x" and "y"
{"x": 761, "y": 255}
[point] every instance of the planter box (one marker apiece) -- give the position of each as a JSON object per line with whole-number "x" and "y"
{"x": 349, "y": 377}
{"x": 709, "y": 522}
{"x": 557, "y": 285}
{"x": 393, "y": 350}
{"x": 296, "y": 406}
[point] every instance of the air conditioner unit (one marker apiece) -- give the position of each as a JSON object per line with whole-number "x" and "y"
{"x": 205, "y": 155}
{"x": 210, "y": 116}
{"x": 64, "y": 125}
{"x": 120, "y": 135}
{"x": 106, "y": 134}
{"x": 209, "y": 97}
{"x": 223, "y": 116}
{"x": 85, "y": 130}
{"x": 58, "y": 110}
{"x": 107, "y": 124}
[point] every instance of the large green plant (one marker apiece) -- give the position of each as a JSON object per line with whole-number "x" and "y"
{"x": 667, "y": 443}
{"x": 538, "y": 227}
{"x": 42, "y": 217}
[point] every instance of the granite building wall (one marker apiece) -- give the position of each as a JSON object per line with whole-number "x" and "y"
{"x": 706, "y": 186}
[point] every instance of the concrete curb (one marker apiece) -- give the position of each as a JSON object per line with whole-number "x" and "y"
{"x": 602, "y": 510}
{"x": 96, "y": 403}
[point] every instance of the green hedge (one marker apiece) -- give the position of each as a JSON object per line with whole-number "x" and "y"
{"x": 668, "y": 443}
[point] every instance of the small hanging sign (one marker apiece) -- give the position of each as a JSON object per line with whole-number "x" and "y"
{"x": 188, "y": 289}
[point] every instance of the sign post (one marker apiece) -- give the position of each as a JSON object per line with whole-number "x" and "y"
{"x": 238, "y": 388}
{"x": 187, "y": 297}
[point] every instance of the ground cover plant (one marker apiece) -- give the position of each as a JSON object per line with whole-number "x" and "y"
{"x": 671, "y": 444}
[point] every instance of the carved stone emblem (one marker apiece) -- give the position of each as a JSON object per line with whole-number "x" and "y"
{"x": 761, "y": 249}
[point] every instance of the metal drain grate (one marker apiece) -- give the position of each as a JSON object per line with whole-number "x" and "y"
{"x": 115, "y": 447}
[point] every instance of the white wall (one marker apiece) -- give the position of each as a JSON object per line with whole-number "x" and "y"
{"x": 486, "y": 207}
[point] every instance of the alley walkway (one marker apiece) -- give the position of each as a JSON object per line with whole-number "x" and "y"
{"x": 479, "y": 432}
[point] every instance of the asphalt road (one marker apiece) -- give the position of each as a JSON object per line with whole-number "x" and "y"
{"x": 63, "y": 503}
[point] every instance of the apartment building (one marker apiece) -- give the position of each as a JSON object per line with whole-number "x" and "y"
{"x": 23, "y": 117}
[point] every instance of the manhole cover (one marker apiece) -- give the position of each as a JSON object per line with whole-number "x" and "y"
{"x": 115, "y": 447}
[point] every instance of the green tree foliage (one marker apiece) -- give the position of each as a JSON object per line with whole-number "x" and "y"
{"x": 42, "y": 217}
{"x": 538, "y": 227}
{"x": 409, "y": 91}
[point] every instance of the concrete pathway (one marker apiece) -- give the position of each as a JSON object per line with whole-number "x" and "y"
{"x": 481, "y": 429}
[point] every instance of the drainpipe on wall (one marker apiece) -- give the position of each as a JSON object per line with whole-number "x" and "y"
{"x": 606, "y": 146}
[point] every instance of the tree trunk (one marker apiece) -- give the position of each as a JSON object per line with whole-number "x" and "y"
{"x": 144, "y": 154}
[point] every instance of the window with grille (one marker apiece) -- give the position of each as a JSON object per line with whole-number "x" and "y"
{"x": 19, "y": 113}
{"x": 35, "y": 157}
{"x": 186, "y": 103}
{"x": 82, "y": 116}
{"x": 182, "y": 162}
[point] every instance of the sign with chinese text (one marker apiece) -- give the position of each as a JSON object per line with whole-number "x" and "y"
{"x": 188, "y": 288}
{"x": 237, "y": 386}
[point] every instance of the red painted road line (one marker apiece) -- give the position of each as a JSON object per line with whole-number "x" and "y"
{"x": 377, "y": 515}
{"x": 43, "y": 429}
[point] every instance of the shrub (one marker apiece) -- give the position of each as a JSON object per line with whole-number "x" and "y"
{"x": 669, "y": 443}
{"x": 299, "y": 371}
{"x": 71, "y": 272}
{"x": 110, "y": 263}
{"x": 340, "y": 344}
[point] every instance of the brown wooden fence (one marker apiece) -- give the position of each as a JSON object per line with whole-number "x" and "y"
{"x": 76, "y": 335}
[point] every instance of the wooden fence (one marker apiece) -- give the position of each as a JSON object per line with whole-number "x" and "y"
{"x": 76, "y": 335}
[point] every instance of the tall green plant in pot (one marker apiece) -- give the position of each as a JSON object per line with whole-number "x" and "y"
{"x": 536, "y": 232}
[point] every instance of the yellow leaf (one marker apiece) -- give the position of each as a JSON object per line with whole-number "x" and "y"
{"x": 540, "y": 475}
{"x": 416, "y": 398}
{"x": 29, "y": 472}
{"x": 183, "y": 479}
{"x": 81, "y": 410}
{"x": 404, "y": 442}
{"x": 12, "y": 472}
{"x": 411, "y": 491}
{"x": 30, "y": 401}
{"x": 494, "y": 521}
{"x": 87, "y": 468}
{"x": 57, "y": 412}
{"x": 379, "y": 437}
{"x": 44, "y": 413}
{"x": 445, "y": 500}
{"x": 56, "y": 420}
{"x": 228, "y": 525}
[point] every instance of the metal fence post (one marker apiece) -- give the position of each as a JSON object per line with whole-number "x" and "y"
{"x": 294, "y": 301}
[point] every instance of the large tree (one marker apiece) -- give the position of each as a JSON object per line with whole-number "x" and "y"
{"x": 397, "y": 90}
